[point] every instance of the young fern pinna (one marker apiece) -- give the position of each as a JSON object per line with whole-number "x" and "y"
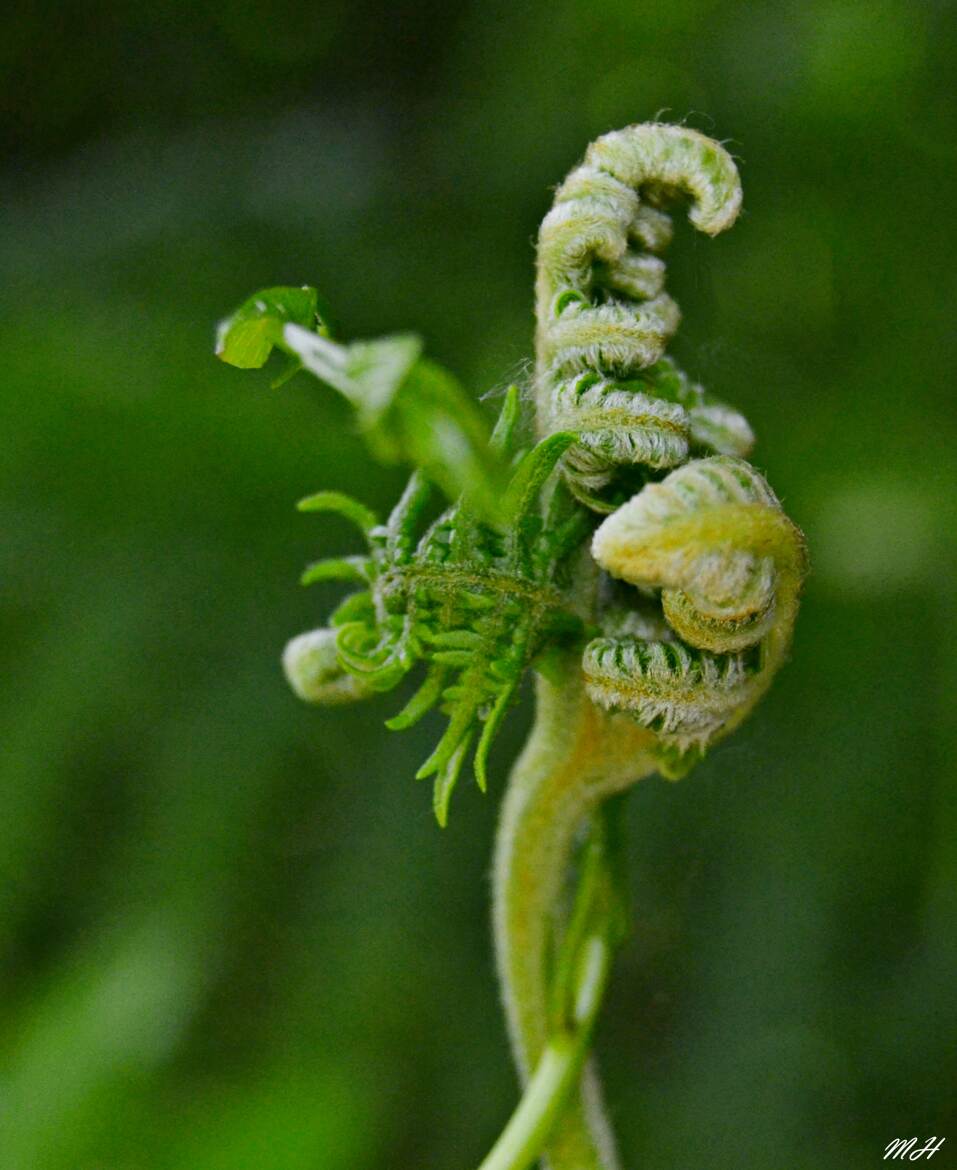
{"x": 628, "y": 555}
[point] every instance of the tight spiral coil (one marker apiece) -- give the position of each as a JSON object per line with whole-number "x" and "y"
{"x": 717, "y": 565}
{"x": 713, "y": 539}
{"x": 604, "y": 319}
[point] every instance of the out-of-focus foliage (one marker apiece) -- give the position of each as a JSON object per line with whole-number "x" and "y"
{"x": 408, "y": 408}
{"x": 231, "y": 935}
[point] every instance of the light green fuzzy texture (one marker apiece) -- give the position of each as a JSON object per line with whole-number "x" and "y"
{"x": 730, "y": 565}
{"x": 602, "y": 309}
{"x": 473, "y": 603}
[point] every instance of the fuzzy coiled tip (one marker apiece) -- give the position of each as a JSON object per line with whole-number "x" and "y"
{"x": 714, "y": 540}
{"x": 603, "y": 312}
{"x": 311, "y": 664}
{"x": 674, "y": 160}
{"x": 713, "y": 537}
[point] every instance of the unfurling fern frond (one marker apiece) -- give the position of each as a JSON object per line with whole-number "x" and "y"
{"x": 472, "y": 601}
{"x": 604, "y": 319}
{"x": 647, "y": 652}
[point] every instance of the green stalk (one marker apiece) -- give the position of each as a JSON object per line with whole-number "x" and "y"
{"x": 557, "y": 1072}
{"x": 575, "y": 757}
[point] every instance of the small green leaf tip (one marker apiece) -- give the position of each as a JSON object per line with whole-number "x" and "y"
{"x": 247, "y": 337}
{"x": 409, "y": 409}
{"x": 363, "y": 518}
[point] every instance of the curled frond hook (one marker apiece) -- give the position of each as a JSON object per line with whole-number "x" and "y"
{"x": 604, "y": 319}
{"x": 712, "y": 537}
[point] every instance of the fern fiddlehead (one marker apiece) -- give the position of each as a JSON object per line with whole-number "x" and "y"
{"x": 647, "y": 651}
{"x": 604, "y": 319}
{"x": 729, "y": 564}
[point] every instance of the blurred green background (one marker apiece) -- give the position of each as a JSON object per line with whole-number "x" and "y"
{"x": 231, "y": 935}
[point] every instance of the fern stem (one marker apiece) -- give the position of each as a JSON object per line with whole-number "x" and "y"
{"x": 575, "y": 757}
{"x": 556, "y": 1073}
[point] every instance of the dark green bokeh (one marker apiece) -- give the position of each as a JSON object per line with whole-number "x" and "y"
{"x": 232, "y": 936}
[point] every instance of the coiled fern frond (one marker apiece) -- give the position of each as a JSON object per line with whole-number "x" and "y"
{"x": 477, "y": 593}
{"x": 604, "y": 319}
{"x": 712, "y": 537}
